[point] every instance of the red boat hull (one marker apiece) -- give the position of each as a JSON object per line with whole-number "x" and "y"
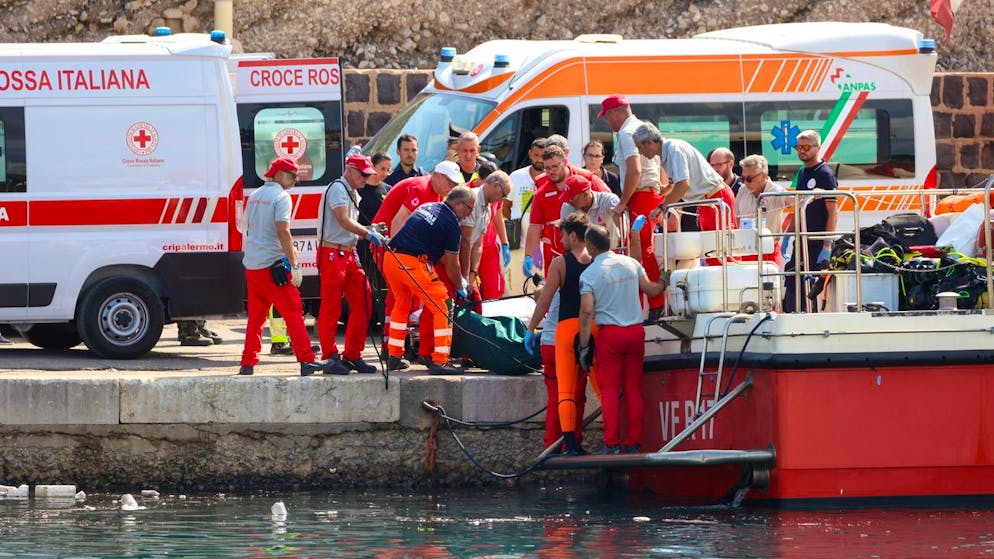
{"x": 850, "y": 433}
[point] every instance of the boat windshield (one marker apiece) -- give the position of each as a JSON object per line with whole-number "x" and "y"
{"x": 431, "y": 118}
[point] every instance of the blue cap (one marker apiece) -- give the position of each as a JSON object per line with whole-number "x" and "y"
{"x": 448, "y": 53}
{"x": 163, "y": 31}
{"x": 926, "y": 46}
{"x": 219, "y": 36}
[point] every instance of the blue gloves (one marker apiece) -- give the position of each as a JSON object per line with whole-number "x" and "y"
{"x": 505, "y": 255}
{"x": 461, "y": 294}
{"x": 786, "y": 246}
{"x": 639, "y": 223}
{"x": 527, "y": 268}
{"x": 375, "y": 238}
{"x": 533, "y": 342}
{"x": 825, "y": 255}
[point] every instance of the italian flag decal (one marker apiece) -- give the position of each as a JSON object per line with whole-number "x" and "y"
{"x": 841, "y": 117}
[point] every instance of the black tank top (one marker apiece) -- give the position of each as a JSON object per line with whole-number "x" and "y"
{"x": 569, "y": 293}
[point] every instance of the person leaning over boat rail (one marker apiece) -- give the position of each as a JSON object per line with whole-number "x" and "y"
{"x": 609, "y": 297}
{"x": 567, "y": 390}
{"x": 693, "y": 177}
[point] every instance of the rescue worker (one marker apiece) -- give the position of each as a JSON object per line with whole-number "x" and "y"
{"x": 341, "y": 272}
{"x": 569, "y": 382}
{"x": 272, "y": 273}
{"x": 693, "y": 177}
{"x": 494, "y": 189}
{"x": 431, "y": 235}
{"x": 407, "y": 152}
{"x": 609, "y": 297}
{"x": 597, "y": 206}
{"x": 547, "y": 206}
{"x": 496, "y": 251}
{"x": 523, "y": 181}
{"x": 641, "y": 190}
{"x": 403, "y": 199}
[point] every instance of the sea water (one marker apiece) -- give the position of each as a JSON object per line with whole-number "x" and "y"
{"x": 545, "y": 522}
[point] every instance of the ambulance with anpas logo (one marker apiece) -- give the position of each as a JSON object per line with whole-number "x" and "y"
{"x": 865, "y": 86}
{"x": 122, "y": 168}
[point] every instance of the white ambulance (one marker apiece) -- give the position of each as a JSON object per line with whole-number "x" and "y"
{"x": 121, "y": 172}
{"x": 865, "y": 86}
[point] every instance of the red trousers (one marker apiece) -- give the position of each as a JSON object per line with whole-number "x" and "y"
{"x": 491, "y": 273}
{"x": 342, "y": 274}
{"x": 642, "y": 203}
{"x": 708, "y": 217}
{"x": 552, "y": 429}
{"x": 263, "y": 293}
{"x": 618, "y": 353}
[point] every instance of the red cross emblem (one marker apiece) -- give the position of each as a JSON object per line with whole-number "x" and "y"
{"x": 289, "y": 142}
{"x": 142, "y": 138}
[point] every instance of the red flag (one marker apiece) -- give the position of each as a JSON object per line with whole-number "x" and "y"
{"x": 943, "y": 12}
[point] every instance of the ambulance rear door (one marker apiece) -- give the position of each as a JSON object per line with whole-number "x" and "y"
{"x": 15, "y": 293}
{"x": 293, "y": 108}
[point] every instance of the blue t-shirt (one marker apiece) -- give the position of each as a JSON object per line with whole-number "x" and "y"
{"x": 432, "y": 229}
{"x": 819, "y": 176}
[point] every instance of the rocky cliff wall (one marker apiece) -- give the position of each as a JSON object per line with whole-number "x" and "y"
{"x": 409, "y": 33}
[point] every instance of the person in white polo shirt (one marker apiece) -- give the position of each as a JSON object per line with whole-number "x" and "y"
{"x": 609, "y": 297}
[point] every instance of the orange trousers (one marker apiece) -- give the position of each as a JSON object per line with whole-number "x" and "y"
{"x": 571, "y": 379}
{"x": 410, "y": 276}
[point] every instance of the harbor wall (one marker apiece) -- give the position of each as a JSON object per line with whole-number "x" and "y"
{"x": 222, "y": 433}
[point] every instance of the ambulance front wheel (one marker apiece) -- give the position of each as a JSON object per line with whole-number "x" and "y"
{"x": 120, "y": 318}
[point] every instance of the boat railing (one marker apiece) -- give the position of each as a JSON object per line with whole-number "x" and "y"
{"x": 724, "y": 247}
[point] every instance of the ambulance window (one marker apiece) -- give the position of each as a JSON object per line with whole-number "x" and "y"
{"x": 294, "y": 132}
{"x": 510, "y": 140}
{"x": 704, "y": 125}
{"x": 13, "y": 177}
{"x": 878, "y": 138}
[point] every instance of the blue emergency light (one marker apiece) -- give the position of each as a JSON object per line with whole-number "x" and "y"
{"x": 926, "y": 46}
{"x": 502, "y": 61}
{"x": 448, "y": 53}
{"x": 219, "y": 36}
{"x": 162, "y": 31}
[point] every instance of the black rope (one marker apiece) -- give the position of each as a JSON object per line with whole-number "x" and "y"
{"x": 731, "y": 375}
{"x": 448, "y": 427}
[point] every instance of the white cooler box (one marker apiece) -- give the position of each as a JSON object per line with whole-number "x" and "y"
{"x": 698, "y": 290}
{"x": 698, "y": 244}
{"x": 877, "y": 288}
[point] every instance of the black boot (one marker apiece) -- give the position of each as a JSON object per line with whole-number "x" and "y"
{"x": 573, "y": 447}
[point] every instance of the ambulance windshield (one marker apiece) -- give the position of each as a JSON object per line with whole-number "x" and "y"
{"x": 431, "y": 118}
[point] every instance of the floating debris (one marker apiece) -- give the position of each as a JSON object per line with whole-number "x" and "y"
{"x": 150, "y": 494}
{"x": 278, "y": 510}
{"x": 55, "y": 491}
{"x": 80, "y": 496}
{"x": 129, "y": 503}
{"x": 10, "y": 492}
{"x": 641, "y": 519}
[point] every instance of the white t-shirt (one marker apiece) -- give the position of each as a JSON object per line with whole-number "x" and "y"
{"x": 599, "y": 213}
{"x": 522, "y": 189}
{"x": 337, "y": 195}
{"x": 682, "y": 161}
{"x": 626, "y": 149}
{"x": 480, "y": 218}
{"x": 267, "y": 205}
{"x": 747, "y": 205}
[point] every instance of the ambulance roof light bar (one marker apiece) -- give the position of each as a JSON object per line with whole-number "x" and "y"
{"x": 162, "y": 31}
{"x": 219, "y": 36}
{"x": 448, "y": 53}
{"x": 502, "y": 61}
{"x": 926, "y": 46}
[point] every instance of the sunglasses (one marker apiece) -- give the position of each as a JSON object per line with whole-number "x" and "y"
{"x": 803, "y": 148}
{"x": 749, "y": 179}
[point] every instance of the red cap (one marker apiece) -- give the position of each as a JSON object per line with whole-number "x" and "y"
{"x": 361, "y": 162}
{"x": 575, "y": 184}
{"x": 612, "y": 102}
{"x": 281, "y": 164}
